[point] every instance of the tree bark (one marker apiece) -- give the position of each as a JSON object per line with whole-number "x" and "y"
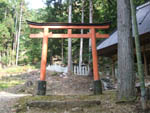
{"x": 15, "y": 38}
{"x": 90, "y": 21}
{"x": 90, "y": 46}
{"x": 70, "y": 40}
{"x": 62, "y": 50}
{"x": 113, "y": 70}
{"x": 138, "y": 55}
{"x": 145, "y": 62}
{"x": 5, "y": 13}
{"x": 19, "y": 31}
{"x": 0, "y": 56}
{"x": 16, "y": 29}
{"x": 81, "y": 40}
{"x": 126, "y": 75}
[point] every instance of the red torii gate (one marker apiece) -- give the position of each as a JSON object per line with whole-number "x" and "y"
{"x": 69, "y": 26}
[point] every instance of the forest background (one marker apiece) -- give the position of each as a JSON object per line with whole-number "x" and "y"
{"x": 16, "y": 48}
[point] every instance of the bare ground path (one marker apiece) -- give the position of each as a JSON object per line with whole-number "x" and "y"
{"x": 56, "y": 85}
{"x": 7, "y": 101}
{"x": 9, "y": 96}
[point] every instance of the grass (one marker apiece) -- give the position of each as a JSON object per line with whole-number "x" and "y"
{"x": 15, "y": 70}
{"x": 10, "y": 76}
{"x": 6, "y": 84}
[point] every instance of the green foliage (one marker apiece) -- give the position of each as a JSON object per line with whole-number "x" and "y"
{"x": 4, "y": 41}
{"x": 4, "y": 35}
{"x": 56, "y": 11}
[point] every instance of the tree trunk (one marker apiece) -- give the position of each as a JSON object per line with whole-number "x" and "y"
{"x": 90, "y": 21}
{"x": 70, "y": 40}
{"x": 113, "y": 70}
{"x": 81, "y": 40}
{"x": 18, "y": 41}
{"x": 138, "y": 55}
{"x": 62, "y": 50}
{"x": 16, "y": 29}
{"x": 126, "y": 75}
{"x": 5, "y": 13}
{"x": 145, "y": 62}
{"x": 15, "y": 39}
{"x": 0, "y": 55}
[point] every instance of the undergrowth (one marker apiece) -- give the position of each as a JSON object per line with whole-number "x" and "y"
{"x": 10, "y": 76}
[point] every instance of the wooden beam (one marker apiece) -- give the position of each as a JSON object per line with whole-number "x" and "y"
{"x": 70, "y": 27}
{"x": 50, "y": 35}
{"x": 36, "y": 35}
{"x": 69, "y": 31}
{"x": 101, "y": 35}
{"x": 44, "y": 55}
{"x": 94, "y": 54}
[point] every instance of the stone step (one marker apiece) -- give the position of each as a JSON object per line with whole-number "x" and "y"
{"x": 63, "y": 104}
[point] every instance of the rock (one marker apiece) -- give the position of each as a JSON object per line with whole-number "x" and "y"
{"x": 63, "y": 75}
{"x": 91, "y": 89}
{"x": 29, "y": 83}
{"x": 21, "y": 90}
{"x": 66, "y": 112}
{"x": 29, "y": 70}
{"x": 76, "y": 109}
{"x": 107, "y": 83}
{"x": 13, "y": 110}
{"x": 28, "y": 108}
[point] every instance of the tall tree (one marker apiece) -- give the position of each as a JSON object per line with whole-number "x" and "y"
{"x": 16, "y": 34}
{"x": 70, "y": 40}
{"x": 126, "y": 75}
{"x": 19, "y": 32}
{"x": 81, "y": 40}
{"x": 90, "y": 21}
{"x": 138, "y": 56}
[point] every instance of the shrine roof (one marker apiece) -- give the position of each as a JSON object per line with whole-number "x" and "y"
{"x": 109, "y": 46}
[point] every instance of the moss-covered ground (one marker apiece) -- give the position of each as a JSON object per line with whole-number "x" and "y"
{"x": 108, "y": 104}
{"x": 9, "y": 77}
{"x": 15, "y": 70}
{"x": 9, "y": 83}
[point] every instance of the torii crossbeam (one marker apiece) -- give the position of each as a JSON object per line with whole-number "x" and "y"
{"x": 69, "y": 26}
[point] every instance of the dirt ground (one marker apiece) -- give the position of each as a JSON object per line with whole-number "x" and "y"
{"x": 57, "y": 84}
{"x": 61, "y": 87}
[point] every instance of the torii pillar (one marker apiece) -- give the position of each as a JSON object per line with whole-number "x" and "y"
{"x": 69, "y": 26}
